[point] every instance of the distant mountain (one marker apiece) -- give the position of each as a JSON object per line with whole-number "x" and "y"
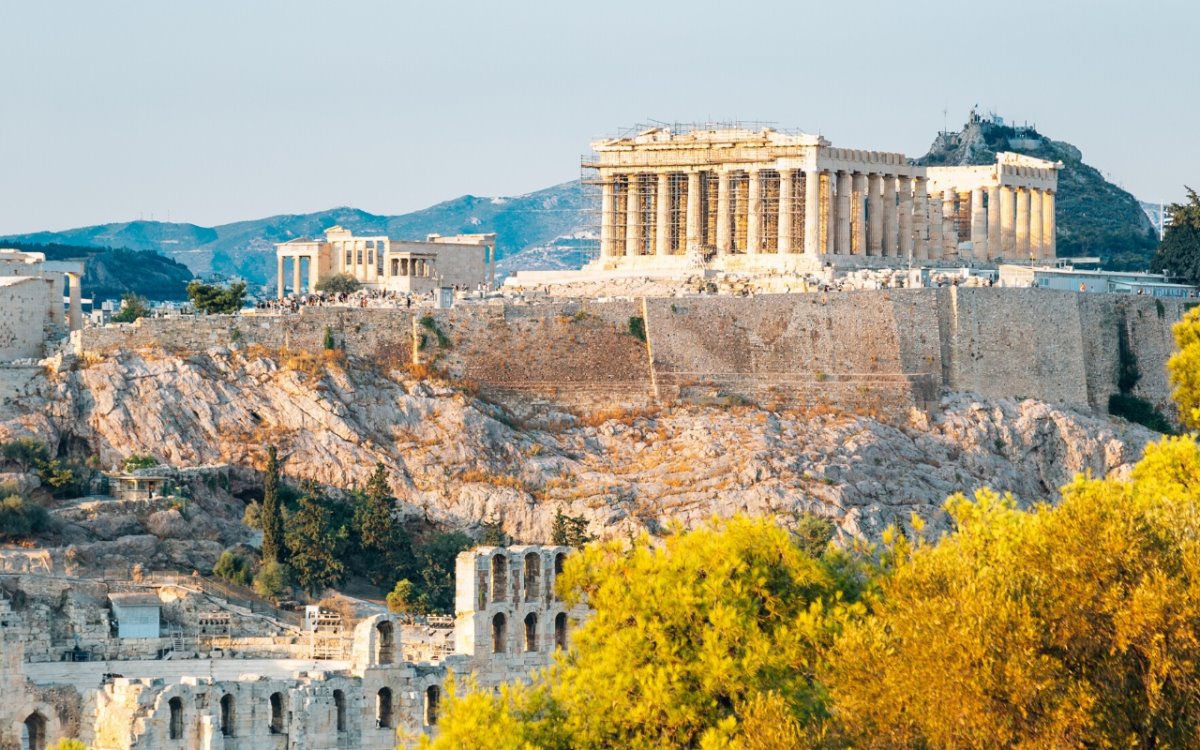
{"x": 536, "y": 230}
{"x": 110, "y": 273}
{"x": 1094, "y": 216}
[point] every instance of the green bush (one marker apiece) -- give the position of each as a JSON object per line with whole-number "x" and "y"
{"x": 328, "y": 341}
{"x": 135, "y": 462}
{"x": 1140, "y": 411}
{"x": 404, "y": 599}
{"x": 430, "y": 324}
{"x": 272, "y": 580}
{"x": 637, "y": 327}
{"x": 233, "y": 568}
{"x": 338, "y": 283}
{"x": 20, "y": 518}
{"x": 26, "y": 453}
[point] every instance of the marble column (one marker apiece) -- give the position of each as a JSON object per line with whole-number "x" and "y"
{"x": 949, "y": 230}
{"x": 994, "y": 245}
{"x": 754, "y": 219}
{"x": 904, "y": 187}
{"x": 1049, "y": 241}
{"x": 920, "y": 218}
{"x": 279, "y": 276}
{"x": 724, "y": 237}
{"x": 843, "y": 213}
{"x": 858, "y": 221}
{"x": 936, "y": 247}
{"x": 1035, "y": 224}
{"x": 692, "y": 234}
{"x": 875, "y": 219}
{"x": 1007, "y": 238}
{"x": 74, "y": 303}
{"x": 633, "y": 216}
{"x": 979, "y": 238}
{"x": 606, "y": 218}
{"x": 314, "y": 268}
{"x": 812, "y": 212}
{"x": 296, "y": 275}
{"x": 891, "y": 217}
{"x": 828, "y": 212}
{"x": 783, "y": 243}
{"x": 662, "y": 202}
{"x": 1022, "y": 250}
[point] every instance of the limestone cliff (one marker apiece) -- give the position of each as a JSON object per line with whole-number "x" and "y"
{"x": 456, "y": 458}
{"x": 1095, "y": 217}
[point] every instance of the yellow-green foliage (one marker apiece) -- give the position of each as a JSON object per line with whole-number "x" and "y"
{"x": 1184, "y": 368}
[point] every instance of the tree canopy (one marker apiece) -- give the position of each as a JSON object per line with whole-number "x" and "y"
{"x": 1179, "y": 251}
{"x": 338, "y": 283}
{"x": 133, "y": 306}
{"x": 214, "y": 299}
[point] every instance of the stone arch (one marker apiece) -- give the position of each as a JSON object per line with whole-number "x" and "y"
{"x": 339, "y": 707}
{"x": 33, "y": 732}
{"x": 228, "y": 715}
{"x": 276, "y": 713}
{"x": 385, "y": 642}
{"x": 531, "y": 620}
{"x": 499, "y": 577}
{"x": 499, "y": 633}
{"x": 383, "y": 708}
{"x": 176, "y": 727}
{"x": 560, "y": 630}
{"x": 433, "y": 696}
{"x": 559, "y": 559}
{"x": 533, "y": 575}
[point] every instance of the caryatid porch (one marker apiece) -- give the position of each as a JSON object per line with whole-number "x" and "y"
{"x": 725, "y": 193}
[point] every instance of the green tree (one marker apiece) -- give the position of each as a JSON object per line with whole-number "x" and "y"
{"x": 1179, "y": 251}
{"x": 338, "y": 283}
{"x": 403, "y": 598}
{"x": 134, "y": 462}
{"x": 20, "y": 518}
{"x": 814, "y": 533}
{"x": 435, "y": 558}
{"x": 315, "y": 543}
{"x": 272, "y": 580}
{"x": 26, "y": 453}
{"x": 232, "y": 568}
{"x": 58, "y": 475}
{"x": 133, "y": 306}
{"x": 274, "y": 546}
{"x": 381, "y": 541}
{"x": 569, "y": 531}
{"x": 213, "y": 299}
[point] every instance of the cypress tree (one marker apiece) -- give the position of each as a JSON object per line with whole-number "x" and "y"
{"x": 273, "y": 547}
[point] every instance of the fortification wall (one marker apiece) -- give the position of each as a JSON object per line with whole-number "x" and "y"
{"x": 885, "y": 350}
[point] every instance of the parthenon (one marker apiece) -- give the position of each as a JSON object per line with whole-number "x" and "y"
{"x": 741, "y": 199}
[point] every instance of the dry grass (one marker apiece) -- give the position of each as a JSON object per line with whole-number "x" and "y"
{"x": 625, "y": 416}
{"x": 481, "y": 476}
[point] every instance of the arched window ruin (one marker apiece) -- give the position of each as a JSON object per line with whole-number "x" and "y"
{"x": 383, "y": 708}
{"x": 227, "y": 715}
{"x": 560, "y": 630}
{"x": 339, "y": 704}
{"x": 531, "y": 632}
{"x": 533, "y": 570}
{"x": 499, "y": 633}
{"x": 385, "y": 643}
{"x": 433, "y": 694}
{"x": 276, "y": 713}
{"x": 499, "y": 578}
{"x": 176, "y": 707}
{"x": 559, "y": 559}
{"x": 34, "y": 732}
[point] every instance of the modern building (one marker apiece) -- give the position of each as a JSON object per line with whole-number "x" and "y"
{"x": 737, "y": 199}
{"x": 1091, "y": 280}
{"x": 382, "y": 263}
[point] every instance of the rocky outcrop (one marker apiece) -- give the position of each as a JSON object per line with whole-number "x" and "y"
{"x": 457, "y": 459}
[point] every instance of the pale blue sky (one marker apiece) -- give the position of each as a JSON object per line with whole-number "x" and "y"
{"x": 224, "y": 110}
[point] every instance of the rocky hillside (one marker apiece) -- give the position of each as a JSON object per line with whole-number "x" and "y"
{"x": 542, "y": 227}
{"x": 110, "y": 273}
{"x": 1095, "y": 217}
{"x": 466, "y": 461}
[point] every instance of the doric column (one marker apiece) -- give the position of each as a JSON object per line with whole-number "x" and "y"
{"x": 812, "y": 212}
{"x": 936, "y": 244}
{"x": 606, "y": 217}
{"x": 978, "y": 226}
{"x": 74, "y": 303}
{"x": 858, "y": 227}
{"x": 279, "y": 276}
{"x": 784, "y": 241}
{"x": 1049, "y": 241}
{"x": 754, "y": 220}
{"x": 662, "y": 201}
{"x": 904, "y": 187}
{"x": 296, "y": 275}
{"x": 843, "y": 213}
{"x": 875, "y": 219}
{"x": 724, "y": 236}
{"x": 891, "y": 217}
{"x": 314, "y": 268}
{"x": 949, "y": 230}
{"x": 1035, "y": 223}
{"x": 693, "y": 212}
{"x": 994, "y": 241}
{"x": 633, "y": 216}
{"x": 920, "y": 218}
{"x": 828, "y": 212}
{"x": 1007, "y": 236}
{"x": 1023, "y": 223}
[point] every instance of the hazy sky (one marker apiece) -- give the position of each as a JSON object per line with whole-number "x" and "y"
{"x": 223, "y": 110}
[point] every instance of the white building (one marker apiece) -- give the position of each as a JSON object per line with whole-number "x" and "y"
{"x": 1090, "y": 280}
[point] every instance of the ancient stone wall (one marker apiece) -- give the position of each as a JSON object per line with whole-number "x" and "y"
{"x": 884, "y": 350}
